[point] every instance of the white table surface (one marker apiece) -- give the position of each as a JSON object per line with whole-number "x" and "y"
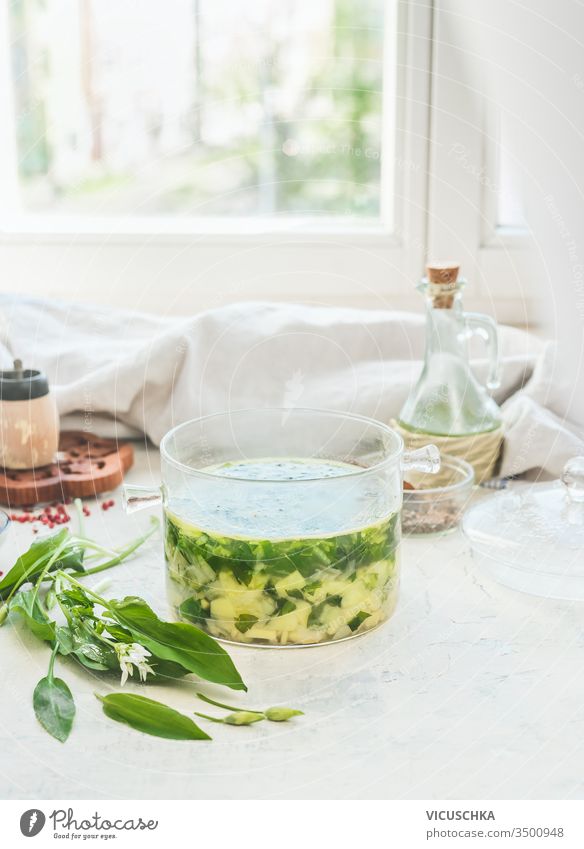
{"x": 471, "y": 691}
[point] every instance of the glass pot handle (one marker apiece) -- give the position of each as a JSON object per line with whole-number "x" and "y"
{"x": 426, "y": 459}
{"x": 138, "y": 497}
{"x": 486, "y": 327}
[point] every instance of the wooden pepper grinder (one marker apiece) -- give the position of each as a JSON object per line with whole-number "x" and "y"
{"x": 29, "y": 422}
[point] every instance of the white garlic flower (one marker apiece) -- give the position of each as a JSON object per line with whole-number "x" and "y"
{"x": 132, "y": 655}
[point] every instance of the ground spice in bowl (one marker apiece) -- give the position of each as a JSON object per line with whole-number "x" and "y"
{"x": 434, "y": 504}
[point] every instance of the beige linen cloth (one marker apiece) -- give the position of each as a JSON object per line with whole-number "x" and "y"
{"x": 133, "y": 373}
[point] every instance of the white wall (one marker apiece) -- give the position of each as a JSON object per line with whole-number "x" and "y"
{"x": 529, "y": 59}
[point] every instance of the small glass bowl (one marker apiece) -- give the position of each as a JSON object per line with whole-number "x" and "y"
{"x": 437, "y": 502}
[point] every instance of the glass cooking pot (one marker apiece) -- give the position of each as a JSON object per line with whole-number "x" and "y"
{"x": 282, "y": 526}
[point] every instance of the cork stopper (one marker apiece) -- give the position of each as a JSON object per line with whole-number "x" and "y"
{"x": 442, "y": 283}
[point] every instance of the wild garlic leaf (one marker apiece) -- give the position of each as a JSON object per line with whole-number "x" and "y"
{"x": 91, "y": 651}
{"x": 31, "y": 563}
{"x": 64, "y": 637}
{"x": 358, "y": 620}
{"x": 72, "y": 559}
{"x": 54, "y": 707}
{"x": 27, "y": 605}
{"x": 151, "y": 717}
{"x": 76, "y": 602}
{"x": 192, "y": 611}
{"x": 93, "y": 656}
{"x": 245, "y": 621}
{"x": 75, "y": 596}
{"x": 179, "y": 642}
{"x": 119, "y": 633}
{"x": 164, "y": 669}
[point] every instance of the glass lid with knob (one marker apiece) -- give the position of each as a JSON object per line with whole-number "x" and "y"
{"x": 531, "y": 537}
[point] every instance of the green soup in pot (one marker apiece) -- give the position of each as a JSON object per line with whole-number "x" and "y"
{"x": 307, "y": 570}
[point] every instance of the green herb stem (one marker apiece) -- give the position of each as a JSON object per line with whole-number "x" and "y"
{"x": 52, "y": 560}
{"x": 81, "y": 586}
{"x": 80, "y": 518}
{"x": 125, "y": 552}
{"x": 210, "y": 718}
{"x": 224, "y": 706}
{"x": 89, "y": 544}
{"x": 52, "y": 660}
{"x": 274, "y": 714}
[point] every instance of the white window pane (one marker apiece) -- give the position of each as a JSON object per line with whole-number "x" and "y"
{"x": 199, "y": 107}
{"x": 510, "y": 206}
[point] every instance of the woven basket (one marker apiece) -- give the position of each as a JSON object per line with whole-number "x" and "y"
{"x": 481, "y": 450}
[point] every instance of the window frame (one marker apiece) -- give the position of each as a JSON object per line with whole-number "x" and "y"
{"x": 35, "y": 248}
{"x": 464, "y": 178}
{"x": 186, "y": 264}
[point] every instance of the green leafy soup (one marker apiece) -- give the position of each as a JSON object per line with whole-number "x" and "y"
{"x": 278, "y": 565}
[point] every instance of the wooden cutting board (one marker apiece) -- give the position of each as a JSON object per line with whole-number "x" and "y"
{"x": 85, "y": 465}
